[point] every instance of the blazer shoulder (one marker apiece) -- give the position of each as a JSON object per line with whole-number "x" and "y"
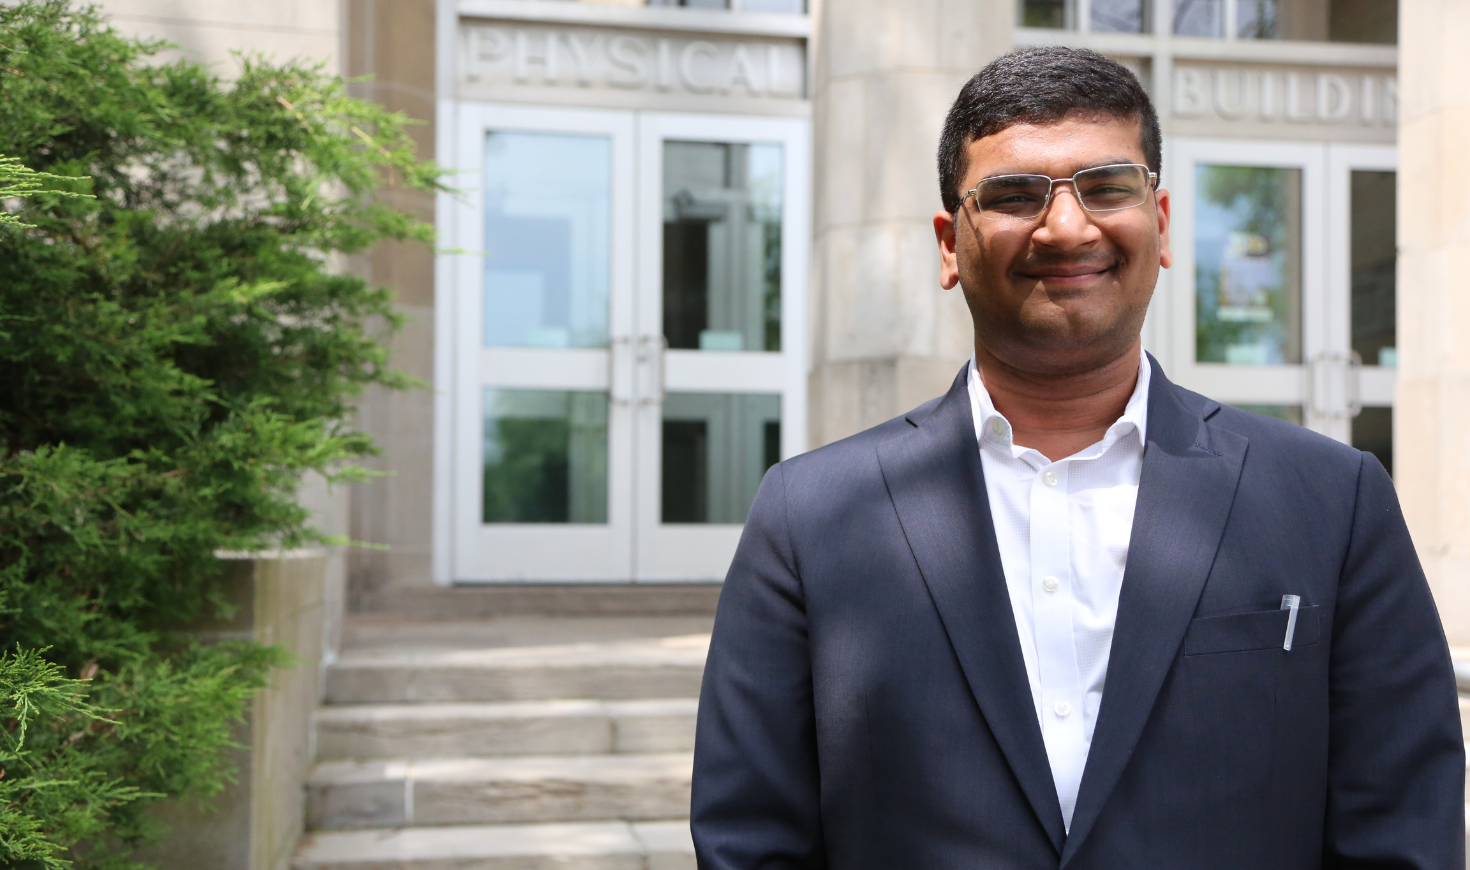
{"x": 1271, "y": 434}
{"x": 858, "y": 450}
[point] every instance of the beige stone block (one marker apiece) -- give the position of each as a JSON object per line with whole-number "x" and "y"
{"x": 214, "y": 44}
{"x": 906, "y": 112}
{"x": 841, "y": 185}
{"x": 1433, "y": 63}
{"x": 884, "y": 294}
{"x": 864, "y": 37}
{"x": 318, "y": 15}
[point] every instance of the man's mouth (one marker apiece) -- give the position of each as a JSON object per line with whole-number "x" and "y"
{"x": 1075, "y": 273}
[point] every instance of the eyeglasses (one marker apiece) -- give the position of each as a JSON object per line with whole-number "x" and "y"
{"x": 1101, "y": 188}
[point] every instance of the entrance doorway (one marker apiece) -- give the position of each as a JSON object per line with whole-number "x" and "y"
{"x": 1284, "y": 283}
{"x": 629, "y": 333}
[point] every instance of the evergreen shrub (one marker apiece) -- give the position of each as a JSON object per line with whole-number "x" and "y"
{"x": 177, "y": 347}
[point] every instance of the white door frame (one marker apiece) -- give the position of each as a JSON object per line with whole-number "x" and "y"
{"x": 1371, "y": 384}
{"x": 482, "y": 552}
{"x": 1324, "y": 385}
{"x": 702, "y": 552}
{"x": 468, "y": 551}
{"x": 1276, "y": 384}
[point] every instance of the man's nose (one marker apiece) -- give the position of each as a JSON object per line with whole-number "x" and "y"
{"x": 1065, "y": 224}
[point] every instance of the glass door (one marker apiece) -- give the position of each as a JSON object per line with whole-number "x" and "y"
{"x": 1284, "y": 294}
{"x": 542, "y": 485}
{"x": 1364, "y": 292}
{"x": 1250, "y": 294}
{"x": 722, "y": 213}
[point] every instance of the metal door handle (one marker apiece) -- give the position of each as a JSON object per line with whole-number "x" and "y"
{"x": 618, "y": 348}
{"x": 651, "y": 349}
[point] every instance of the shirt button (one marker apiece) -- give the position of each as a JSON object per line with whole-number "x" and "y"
{"x": 1050, "y": 584}
{"x": 1049, "y": 478}
{"x": 997, "y": 426}
{"x": 1063, "y": 708}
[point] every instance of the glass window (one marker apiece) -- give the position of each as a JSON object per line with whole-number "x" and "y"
{"x": 548, "y": 215}
{"x": 1373, "y": 21}
{"x": 1119, "y": 16}
{"x": 545, "y": 457}
{"x": 1247, "y": 250}
{"x": 1198, "y": 17}
{"x": 722, "y": 246}
{"x": 716, "y": 448}
{"x": 1289, "y": 413}
{"x": 1374, "y": 261}
{"x": 1051, "y": 14}
{"x": 1373, "y": 432}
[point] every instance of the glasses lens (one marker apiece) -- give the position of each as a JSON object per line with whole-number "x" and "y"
{"x": 1013, "y": 196}
{"x": 1107, "y": 188}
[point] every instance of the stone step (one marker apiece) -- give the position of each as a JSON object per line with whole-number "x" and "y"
{"x": 569, "y": 846}
{"x": 459, "y": 791}
{"x": 566, "y": 727}
{"x": 660, "y": 667}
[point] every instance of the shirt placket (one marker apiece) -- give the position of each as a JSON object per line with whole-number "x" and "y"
{"x": 1052, "y": 591}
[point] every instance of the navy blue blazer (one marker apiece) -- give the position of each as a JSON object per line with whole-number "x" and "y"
{"x": 865, "y": 704}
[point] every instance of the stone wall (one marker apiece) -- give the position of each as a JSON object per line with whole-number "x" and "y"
{"x": 1432, "y": 418}
{"x": 886, "y": 336}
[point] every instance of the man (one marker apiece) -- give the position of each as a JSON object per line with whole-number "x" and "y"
{"x": 1038, "y": 622}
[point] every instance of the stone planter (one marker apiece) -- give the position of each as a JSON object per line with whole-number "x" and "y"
{"x": 283, "y": 599}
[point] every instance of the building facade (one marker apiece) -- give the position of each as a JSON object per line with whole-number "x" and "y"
{"x": 690, "y": 241}
{"x": 692, "y": 237}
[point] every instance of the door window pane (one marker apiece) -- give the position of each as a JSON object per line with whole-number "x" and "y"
{"x": 1289, "y": 413}
{"x": 716, "y": 448}
{"x": 1373, "y": 432}
{"x": 1119, "y": 16}
{"x": 722, "y": 246}
{"x": 1198, "y": 17}
{"x": 1374, "y": 259}
{"x": 1247, "y": 248}
{"x": 545, "y": 456}
{"x": 548, "y": 247}
{"x": 1051, "y": 14}
{"x": 1374, "y": 21}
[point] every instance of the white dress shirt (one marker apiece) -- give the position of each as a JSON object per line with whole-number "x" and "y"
{"x": 1063, "y": 529}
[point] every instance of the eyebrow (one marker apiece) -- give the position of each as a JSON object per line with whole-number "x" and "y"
{"x": 1104, "y": 162}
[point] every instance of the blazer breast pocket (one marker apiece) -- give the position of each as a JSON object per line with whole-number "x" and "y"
{"x": 1260, "y": 629}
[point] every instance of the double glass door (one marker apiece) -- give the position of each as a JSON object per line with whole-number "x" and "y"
{"x": 628, "y": 357}
{"x": 1284, "y": 297}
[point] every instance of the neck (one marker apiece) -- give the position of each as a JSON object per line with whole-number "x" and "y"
{"x": 1058, "y": 415}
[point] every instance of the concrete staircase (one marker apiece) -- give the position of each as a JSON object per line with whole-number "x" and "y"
{"x": 512, "y": 744}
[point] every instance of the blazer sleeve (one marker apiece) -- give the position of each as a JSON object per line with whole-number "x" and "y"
{"x": 756, "y": 791}
{"x": 1396, "y": 756}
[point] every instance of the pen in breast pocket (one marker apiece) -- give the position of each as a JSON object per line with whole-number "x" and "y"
{"x": 1292, "y": 603}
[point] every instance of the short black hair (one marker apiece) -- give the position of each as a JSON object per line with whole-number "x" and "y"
{"x": 1040, "y": 85}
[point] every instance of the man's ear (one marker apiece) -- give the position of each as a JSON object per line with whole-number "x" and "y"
{"x": 1166, "y": 256}
{"x": 949, "y": 264}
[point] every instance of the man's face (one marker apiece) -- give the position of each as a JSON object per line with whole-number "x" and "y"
{"x": 1064, "y": 292}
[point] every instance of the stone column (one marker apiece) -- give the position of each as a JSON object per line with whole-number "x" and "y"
{"x": 1432, "y": 417}
{"x": 885, "y": 337}
{"x": 393, "y": 42}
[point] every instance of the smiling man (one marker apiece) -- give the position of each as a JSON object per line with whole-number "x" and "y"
{"x": 1070, "y": 614}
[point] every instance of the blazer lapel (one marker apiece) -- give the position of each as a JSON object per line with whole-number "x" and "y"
{"x": 935, "y": 479}
{"x": 1190, "y": 472}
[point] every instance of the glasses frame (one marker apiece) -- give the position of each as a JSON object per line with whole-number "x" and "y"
{"x": 1153, "y": 185}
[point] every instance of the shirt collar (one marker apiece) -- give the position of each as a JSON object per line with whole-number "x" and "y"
{"x": 1134, "y": 419}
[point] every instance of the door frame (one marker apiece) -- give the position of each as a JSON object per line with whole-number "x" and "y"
{"x": 701, "y": 553}
{"x": 1275, "y": 384}
{"x": 565, "y": 552}
{"x": 637, "y": 266}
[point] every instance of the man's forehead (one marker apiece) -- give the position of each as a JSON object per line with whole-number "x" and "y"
{"x": 1056, "y": 148}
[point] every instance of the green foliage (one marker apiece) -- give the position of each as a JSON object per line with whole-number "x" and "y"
{"x": 177, "y": 347}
